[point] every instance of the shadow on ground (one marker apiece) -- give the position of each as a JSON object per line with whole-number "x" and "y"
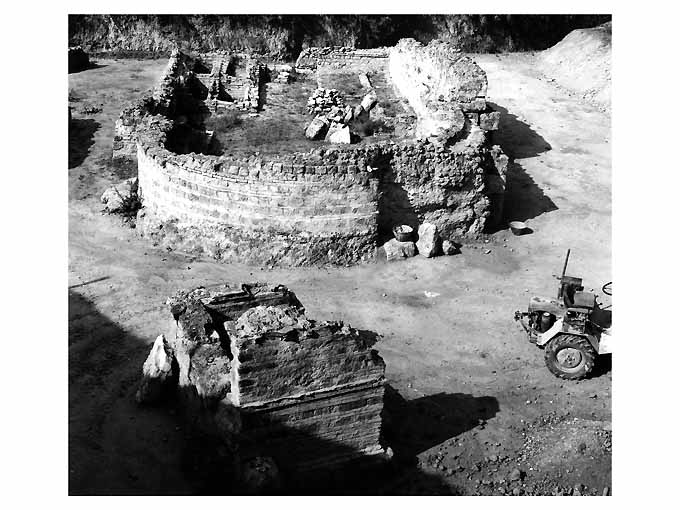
{"x": 117, "y": 447}
{"x": 516, "y": 137}
{"x": 80, "y": 140}
{"x": 603, "y": 365}
{"x": 414, "y": 426}
{"x": 91, "y": 65}
{"x": 114, "y": 447}
{"x": 524, "y": 199}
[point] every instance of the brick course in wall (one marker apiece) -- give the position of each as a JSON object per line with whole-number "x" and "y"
{"x": 339, "y": 56}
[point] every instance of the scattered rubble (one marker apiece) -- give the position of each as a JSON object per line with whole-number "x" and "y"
{"x": 337, "y": 133}
{"x": 336, "y": 119}
{"x": 89, "y": 109}
{"x": 284, "y": 73}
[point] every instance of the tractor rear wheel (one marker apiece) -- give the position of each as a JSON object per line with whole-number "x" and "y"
{"x": 570, "y": 356}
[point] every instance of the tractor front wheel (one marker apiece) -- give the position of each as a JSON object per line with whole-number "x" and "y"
{"x": 570, "y": 356}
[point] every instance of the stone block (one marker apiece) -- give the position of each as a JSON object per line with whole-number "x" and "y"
{"x": 338, "y": 133}
{"x": 489, "y": 121}
{"x": 395, "y": 250}
{"x": 318, "y": 128}
{"x": 429, "y": 241}
{"x": 369, "y": 101}
{"x": 157, "y": 373}
{"x": 365, "y": 82}
{"x": 349, "y": 115}
{"x": 449, "y": 247}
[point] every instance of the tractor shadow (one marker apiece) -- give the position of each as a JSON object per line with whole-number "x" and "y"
{"x": 80, "y": 139}
{"x": 603, "y": 365}
{"x": 524, "y": 199}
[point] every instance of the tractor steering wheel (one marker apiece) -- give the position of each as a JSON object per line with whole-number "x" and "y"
{"x": 607, "y": 288}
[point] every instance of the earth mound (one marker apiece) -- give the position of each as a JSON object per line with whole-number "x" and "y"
{"x": 581, "y": 62}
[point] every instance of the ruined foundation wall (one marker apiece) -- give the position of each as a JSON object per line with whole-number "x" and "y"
{"x": 330, "y": 205}
{"x": 460, "y": 190}
{"x": 240, "y": 76}
{"x": 177, "y": 80}
{"x": 160, "y": 101}
{"x": 320, "y": 396}
{"x": 307, "y": 394}
{"x": 445, "y": 187}
{"x": 339, "y": 56}
{"x": 446, "y": 88}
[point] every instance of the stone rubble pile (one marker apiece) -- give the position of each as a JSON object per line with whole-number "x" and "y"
{"x": 261, "y": 319}
{"x": 322, "y": 100}
{"x": 429, "y": 244}
{"x": 284, "y": 73}
{"x": 334, "y": 123}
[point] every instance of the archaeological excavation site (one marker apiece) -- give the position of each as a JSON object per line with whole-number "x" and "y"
{"x": 316, "y": 163}
{"x": 296, "y": 245}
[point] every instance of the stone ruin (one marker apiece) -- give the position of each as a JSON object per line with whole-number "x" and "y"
{"x": 337, "y": 203}
{"x": 270, "y": 386}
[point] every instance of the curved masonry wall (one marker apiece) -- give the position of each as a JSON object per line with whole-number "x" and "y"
{"x": 262, "y": 212}
{"x": 331, "y": 205}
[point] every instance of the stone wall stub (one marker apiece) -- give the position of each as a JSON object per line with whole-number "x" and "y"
{"x": 263, "y": 380}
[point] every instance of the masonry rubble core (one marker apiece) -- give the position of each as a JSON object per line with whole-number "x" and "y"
{"x": 254, "y": 373}
{"x": 335, "y": 204}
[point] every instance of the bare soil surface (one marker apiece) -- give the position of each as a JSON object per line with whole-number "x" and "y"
{"x": 581, "y": 62}
{"x": 471, "y": 407}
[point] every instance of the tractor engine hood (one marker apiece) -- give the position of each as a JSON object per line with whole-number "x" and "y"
{"x": 550, "y": 305}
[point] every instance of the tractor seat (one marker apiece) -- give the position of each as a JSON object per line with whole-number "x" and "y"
{"x": 584, "y": 300}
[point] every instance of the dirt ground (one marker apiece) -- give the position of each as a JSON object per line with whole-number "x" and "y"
{"x": 470, "y": 401}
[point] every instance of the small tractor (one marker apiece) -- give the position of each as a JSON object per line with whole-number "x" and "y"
{"x": 572, "y": 329}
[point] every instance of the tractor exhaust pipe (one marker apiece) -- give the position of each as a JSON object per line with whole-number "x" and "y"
{"x": 564, "y": 271}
